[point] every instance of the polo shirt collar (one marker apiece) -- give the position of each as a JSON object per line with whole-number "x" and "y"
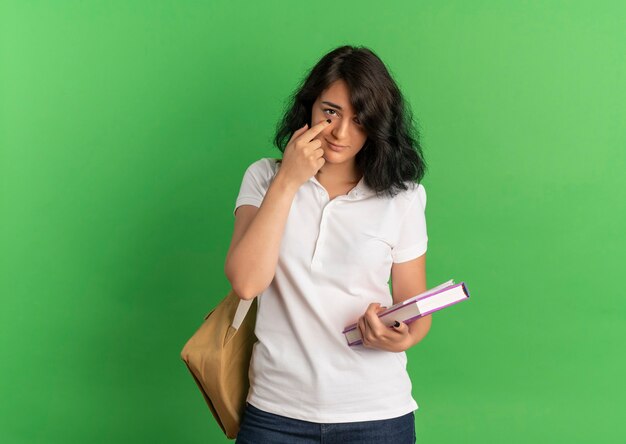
{"x": 360, "y": 191}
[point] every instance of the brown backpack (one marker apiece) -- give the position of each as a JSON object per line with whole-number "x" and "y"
{"x": 218, "y": 357}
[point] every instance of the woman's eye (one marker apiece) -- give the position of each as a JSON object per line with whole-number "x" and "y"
{"x": 357, "y": 121}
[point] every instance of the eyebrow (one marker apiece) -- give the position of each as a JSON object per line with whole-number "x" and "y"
{"x": 334, "y": 105}
{"x": 331, "y": 104}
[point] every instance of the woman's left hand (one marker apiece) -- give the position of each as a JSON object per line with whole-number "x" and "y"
{"x": 377, "y": 335}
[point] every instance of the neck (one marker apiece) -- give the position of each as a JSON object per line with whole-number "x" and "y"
{"x": 339, "y": 174}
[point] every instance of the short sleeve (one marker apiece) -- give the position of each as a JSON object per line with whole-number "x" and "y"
{"x": 412, "y": 237}
{"x": 256, "y": 181}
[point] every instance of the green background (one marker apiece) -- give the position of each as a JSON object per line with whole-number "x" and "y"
{"x": 125, "y": 129}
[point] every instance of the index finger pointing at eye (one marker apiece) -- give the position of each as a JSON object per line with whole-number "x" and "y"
{"x": 315, "y": 130}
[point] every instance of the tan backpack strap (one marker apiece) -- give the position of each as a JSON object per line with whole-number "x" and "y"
{"x": 242, "y": 311}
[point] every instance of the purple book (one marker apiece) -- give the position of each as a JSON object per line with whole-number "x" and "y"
{"x": 415, "y": 307}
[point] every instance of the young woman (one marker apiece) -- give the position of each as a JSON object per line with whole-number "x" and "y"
{"x": 317, "y": 236}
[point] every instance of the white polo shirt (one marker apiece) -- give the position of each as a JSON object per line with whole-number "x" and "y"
{"x": 335, "y": 259}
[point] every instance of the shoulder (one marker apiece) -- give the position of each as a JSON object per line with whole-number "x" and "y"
{"x": 263, "y": 169}
{"x": 414, "y": 194}
{"x": 264, "y": 165}
{"x": 256, "y": 181}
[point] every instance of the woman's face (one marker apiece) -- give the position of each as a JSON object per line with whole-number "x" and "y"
{"x": 344, "y": 137}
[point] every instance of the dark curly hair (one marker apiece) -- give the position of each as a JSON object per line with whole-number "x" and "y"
{"x": 392, "y": 153}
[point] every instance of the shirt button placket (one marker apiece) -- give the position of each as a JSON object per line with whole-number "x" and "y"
{"x": 317, "y": 264}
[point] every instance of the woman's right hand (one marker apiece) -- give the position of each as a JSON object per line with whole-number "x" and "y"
{"x": 303, "y": 155}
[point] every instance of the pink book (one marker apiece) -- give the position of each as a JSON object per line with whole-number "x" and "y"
{"x": 415, "y": 307}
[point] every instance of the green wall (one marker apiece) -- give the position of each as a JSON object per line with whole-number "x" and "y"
{"x": 125, "y": 129}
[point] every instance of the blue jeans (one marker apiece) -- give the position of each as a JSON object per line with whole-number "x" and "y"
{"x": 260, "y": 427}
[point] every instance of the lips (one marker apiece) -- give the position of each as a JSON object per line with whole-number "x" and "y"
{"x": 335, "y": 146}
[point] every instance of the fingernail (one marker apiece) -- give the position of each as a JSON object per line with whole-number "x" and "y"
{"x": 396, "y": 324}
{"x": 328, "y": 120}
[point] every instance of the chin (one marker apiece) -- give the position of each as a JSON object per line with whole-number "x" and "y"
{"x": 334, "y": 157}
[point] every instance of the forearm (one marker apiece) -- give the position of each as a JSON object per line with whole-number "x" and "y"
{"x": 252, "y": 263}
{"x": 418, "y": 329}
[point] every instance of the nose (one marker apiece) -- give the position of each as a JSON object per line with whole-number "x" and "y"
{"x": 340, "y": 129}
